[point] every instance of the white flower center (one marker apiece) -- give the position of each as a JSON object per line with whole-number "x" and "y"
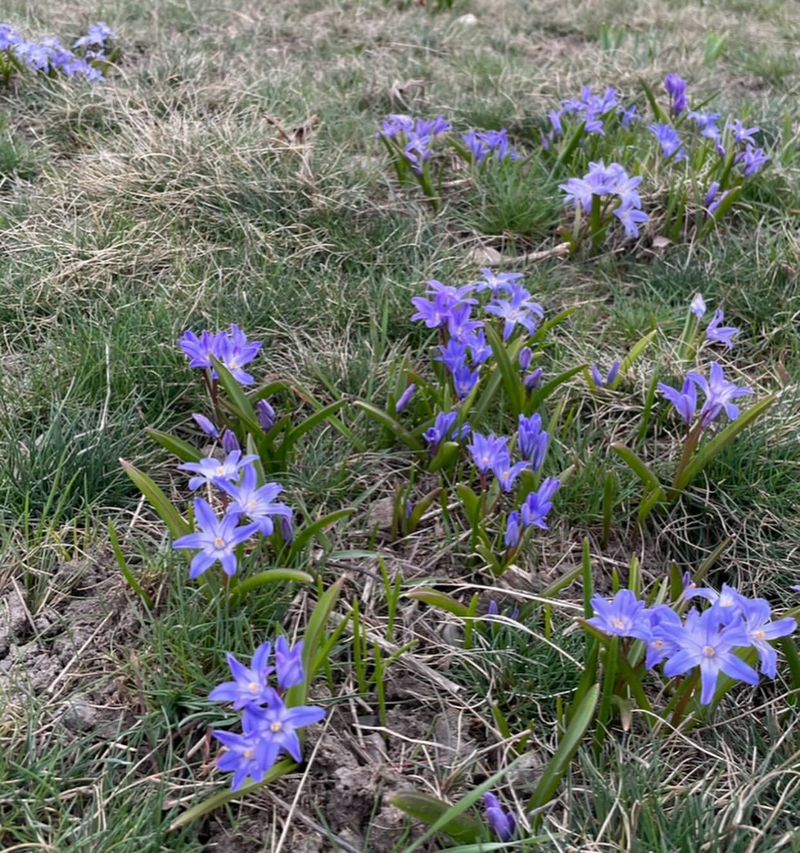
{"x": 709, "y": 651}
{"x": 219, "y": 543}
{"x": 276, "y": 727}
{"x": 617, "y": 622}
{"x": 760, "y": 635}
{"x": 253, "y": 687}
{"x": 249, "y": 754}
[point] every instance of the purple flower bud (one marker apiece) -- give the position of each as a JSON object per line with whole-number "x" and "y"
{"x": 230, "y": 444}
{"x": 503, "y": 824}
{"x": 533, "y": 379}
{"x": 493, "y": 610}
{"x": 405, "y": 398}
{"x": 513, "y": 531}
{"x": 597, "y": 376}
{"x": 676, "y": 88}
{"x": 525, "y": 358}
{"x": 287, "y": 530}
{"x": 206, "y": 425}
{"x": 266, "y": 415}
{"x": 289, "y": 664}
{"x": 712, "y": 193}
{"x": 698, "y": 306}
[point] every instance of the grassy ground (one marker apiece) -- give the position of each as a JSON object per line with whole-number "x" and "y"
{"x": 170, "y": 198}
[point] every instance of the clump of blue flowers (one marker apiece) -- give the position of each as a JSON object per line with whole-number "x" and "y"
{"x": 473, "y": 323}
{"x": 269, "y": 726}
{"x": 693, "y": 164}
{"x": 605, "y": 191}
{"x": 49, "y": 57}
{"x": 708, "y": 642}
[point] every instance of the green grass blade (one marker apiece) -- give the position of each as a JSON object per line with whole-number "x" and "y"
{"x": 130, "y": 578}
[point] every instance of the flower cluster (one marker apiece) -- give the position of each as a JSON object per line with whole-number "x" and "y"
{"x": 716, "y": 333}
{"x": 589, "y": 109}
{"x": 485, "y": 145}
{"x": 613, "y": 190}
{"x": 249, "y": 506}
{"x": 269, "y": 727}
{"x": 50, "y": 57}
{"x": 232, "y": 348}
{"x": 719, "y": 396}
{"x": 706, "y": 640}
{"x": 450, "y": 310}
{"x": 216, "y": 538}
{"x": 414, "y": 136}
{"x": 503, "y": 823}
{"x": 466, "y": 355}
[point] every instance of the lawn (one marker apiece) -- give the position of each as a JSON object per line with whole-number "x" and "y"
{"x": 228, "y": 171}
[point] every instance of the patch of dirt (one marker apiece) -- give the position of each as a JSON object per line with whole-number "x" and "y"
{"x": 65, "y": 653}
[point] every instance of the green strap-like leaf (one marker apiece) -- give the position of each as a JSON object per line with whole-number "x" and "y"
{"x": 177, "y": 446}
{"x": 434, "y": 598}
{"x": 544, "y": 330}
{"x": 541, "y": 394}
{"x": 567, "y": 747}
{"x": 453, "y": 813}
{"x": 445, "y": 457}
{"x": 382, "y": 417}
{"x": 175, "y": 522}
{"x": 721, "y": 441}
{"x": 648, "y": 478}
{"x": 658, "y": 111}
{"x": 636, "y": 352}
{"x": 313, "y": 642}
{"x": 237, "y": 399}
{"x": 222, "y": 797}
{"x": 512, "y": 381}
{"x": 270, "y": 576}
{"x": 430, "y": 811}
{"x": 310, "y": 531}
{"x": 126, "y": 569}
{"x": 310, "y": 422}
